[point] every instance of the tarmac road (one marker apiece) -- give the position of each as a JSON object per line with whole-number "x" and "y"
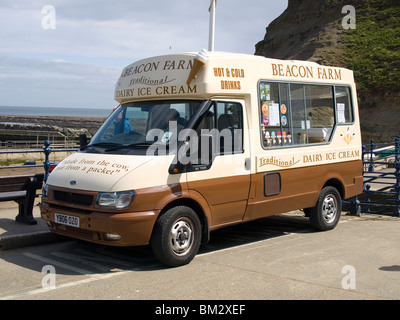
{"x": 279, "y": 257}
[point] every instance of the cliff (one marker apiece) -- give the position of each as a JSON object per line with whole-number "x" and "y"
{"x": 312, "y": 30}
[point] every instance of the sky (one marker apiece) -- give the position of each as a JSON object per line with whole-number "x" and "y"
{"x": 70, "y": 53}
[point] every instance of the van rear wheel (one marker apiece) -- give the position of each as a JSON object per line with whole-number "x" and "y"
{"x": 176, "y": 236}
{"x": 326, "y": 213}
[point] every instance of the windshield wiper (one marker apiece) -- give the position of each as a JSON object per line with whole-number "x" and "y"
{"x": 140, "y": 144}
{"x": 129, "y": 146}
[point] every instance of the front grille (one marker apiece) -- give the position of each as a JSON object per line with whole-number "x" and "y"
{"x": 73, "y": 198}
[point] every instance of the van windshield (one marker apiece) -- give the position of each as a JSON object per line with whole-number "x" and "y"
{"x": 138, "y": 125}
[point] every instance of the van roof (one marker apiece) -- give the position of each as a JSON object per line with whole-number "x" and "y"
{"x": 206, "y": 74}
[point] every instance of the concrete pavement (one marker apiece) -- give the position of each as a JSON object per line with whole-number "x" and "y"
{"x": 15, "y": 234}
{"x": 279, "y": 257}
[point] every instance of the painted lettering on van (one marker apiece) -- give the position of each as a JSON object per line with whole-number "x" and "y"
{"x": 143, "y": 67}
{"x": 92, "y": 166}
{"x": 277, "y": 162}
{"x": 156, "y": 66}
{"x": 329, "y": 74}
{"x": 310, "y": 159}
{"x": 178, "y": 65}
{"x": 292, "y": 71}
{"x": 229, "y": 73}
{"x": 295, "y": 71}
{"x": 170, "y": 90}
{"x": 159, "y": 91}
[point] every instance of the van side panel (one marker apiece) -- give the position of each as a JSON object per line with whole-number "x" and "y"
{"x": 227, "y": 197}
{"x": 301, "y": 187}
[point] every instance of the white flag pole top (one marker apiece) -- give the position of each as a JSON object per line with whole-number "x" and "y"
{"x": 211, "y": 9}
{"x": 200, "y": 59}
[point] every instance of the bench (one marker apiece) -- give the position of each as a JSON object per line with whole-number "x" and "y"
{"x": 21, "y": 189}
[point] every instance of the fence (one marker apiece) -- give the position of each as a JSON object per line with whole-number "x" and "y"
{"x": 381, "y": 171}
{"x": 46, "y": 164}
{"x": 11, "y": 138}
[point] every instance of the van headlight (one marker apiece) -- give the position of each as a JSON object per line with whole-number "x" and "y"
{"x": 115, "y": 200}
{"x": 45, "y": 191}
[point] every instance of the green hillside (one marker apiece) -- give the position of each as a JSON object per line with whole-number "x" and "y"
{"x": 372, "y": 50}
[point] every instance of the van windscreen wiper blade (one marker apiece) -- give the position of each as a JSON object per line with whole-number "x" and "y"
{"x": 129, "y": 146}
{"x": 102, "y": 144}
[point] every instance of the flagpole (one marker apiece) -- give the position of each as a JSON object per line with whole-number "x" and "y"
{"x": 211, "y": 9}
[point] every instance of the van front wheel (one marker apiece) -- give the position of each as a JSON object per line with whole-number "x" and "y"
{"x": 176, "y": 236}
{"x": 326, "y": 213}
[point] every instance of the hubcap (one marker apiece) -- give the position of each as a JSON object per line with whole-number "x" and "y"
{"x": 329, "y": 209}
{"x": 181, "y": 236}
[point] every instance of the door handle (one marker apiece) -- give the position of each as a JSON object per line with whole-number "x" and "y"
{"x": 247, "y": 164}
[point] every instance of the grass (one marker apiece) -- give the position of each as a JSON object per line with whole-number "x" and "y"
{"x": 372, "y": 50}
{"x": 11, "y": 162}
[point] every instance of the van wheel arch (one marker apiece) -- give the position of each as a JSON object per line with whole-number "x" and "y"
{"x": 176, "y": 236}
{"x": 326, "y": 213}
{"x": 333, "y": 182}
{"x": 337, "y": 184}
{"x": 196, "y": 207}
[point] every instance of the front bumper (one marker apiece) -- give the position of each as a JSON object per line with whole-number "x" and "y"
{"x": 134, "y": 228}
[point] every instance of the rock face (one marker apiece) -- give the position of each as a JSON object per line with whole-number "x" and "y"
{"x": 303, "y": 30}
{"x": 312, "y": 30}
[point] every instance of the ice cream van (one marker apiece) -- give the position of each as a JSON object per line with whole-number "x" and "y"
{"x": 205, "y": 140}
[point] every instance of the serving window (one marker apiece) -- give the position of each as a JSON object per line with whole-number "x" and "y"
{"x": 301, "y": 114}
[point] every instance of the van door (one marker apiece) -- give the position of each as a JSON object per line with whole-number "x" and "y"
{"x": 224, "y": 179}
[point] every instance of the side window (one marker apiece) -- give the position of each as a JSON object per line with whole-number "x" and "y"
{"x": 296, "y": 114}
{"x": 227, "y": 119}
{"x": 230, "y": 127}
{"x": 343, "y": 105}
{"x": 279, "y": 114}
{"x": 320, "y": 113}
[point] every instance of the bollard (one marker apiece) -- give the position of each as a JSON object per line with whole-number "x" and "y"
{"x": 368, "y": 198}
{"x": 47, "y": 151}
{"x": 363, "y": 158}
{"x": 397, "y": 175}
{"x": 371, "y": 157}
{"x": 355, "y": 207}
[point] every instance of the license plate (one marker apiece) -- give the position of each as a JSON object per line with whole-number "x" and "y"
{"x": 66, "y": 219}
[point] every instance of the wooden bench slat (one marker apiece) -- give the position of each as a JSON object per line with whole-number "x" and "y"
{"x": 13, "y": 195}
{"x": 17, "y": 182}
{"x": 22, "y": 189}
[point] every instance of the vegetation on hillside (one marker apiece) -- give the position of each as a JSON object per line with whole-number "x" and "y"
{"x": 372, "y": 50}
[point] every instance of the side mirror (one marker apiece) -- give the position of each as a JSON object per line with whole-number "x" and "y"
{"x": 187, "y": 159}
{"x": 83, "y": 140}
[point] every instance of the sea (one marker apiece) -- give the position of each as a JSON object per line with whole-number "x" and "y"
{"x": 54, "y": 111}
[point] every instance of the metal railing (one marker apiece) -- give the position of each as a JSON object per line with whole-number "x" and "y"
{"x": 381, "y": 172}
{"x": 46, "y": 164}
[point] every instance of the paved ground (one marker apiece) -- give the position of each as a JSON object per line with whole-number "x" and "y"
{"x": 16, "y": 235}
{"x": 278, "y": 257}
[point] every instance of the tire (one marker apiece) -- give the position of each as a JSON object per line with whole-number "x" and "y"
{"x": 176, "y": 236}
{"x": 326, "y": 213}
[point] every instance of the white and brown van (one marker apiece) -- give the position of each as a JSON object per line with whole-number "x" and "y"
{"x": 202, "y": 141}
